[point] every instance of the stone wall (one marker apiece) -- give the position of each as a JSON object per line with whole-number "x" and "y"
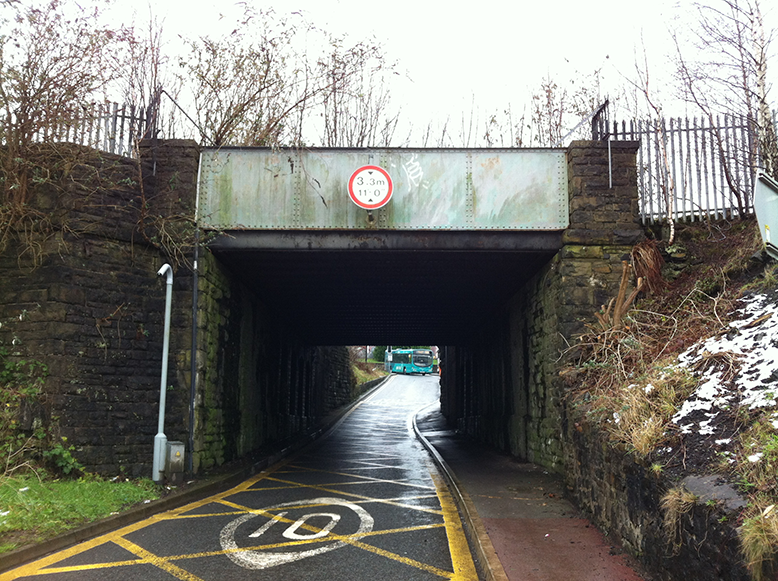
{"x": 503, "y": 387}
{"x": 622, "y": 497}
{"x": 256, "y": 385}
{"x": 84, "y": 298}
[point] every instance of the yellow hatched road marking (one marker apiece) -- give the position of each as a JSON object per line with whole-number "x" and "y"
{"x": 147, "y": 558}
{"x": 359, "y": 496}
{"x": 352, "y": 540}
{"x": 35, "y": 568}
{"x": 160, "y": 562}
{"x": 462, "y": 564}
{"x": 367, "y": 479}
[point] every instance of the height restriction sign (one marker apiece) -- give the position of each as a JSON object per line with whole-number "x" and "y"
{"x": 370, "y": 187}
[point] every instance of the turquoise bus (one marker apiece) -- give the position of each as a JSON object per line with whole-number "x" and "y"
{"x": 409, "y": 361}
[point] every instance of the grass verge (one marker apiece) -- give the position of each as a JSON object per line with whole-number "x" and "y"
{"x": 364, "y": 372}
{"x": 34, "y": 509}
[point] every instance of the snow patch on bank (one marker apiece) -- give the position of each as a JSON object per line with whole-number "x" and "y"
{"x": 738, "y": 367}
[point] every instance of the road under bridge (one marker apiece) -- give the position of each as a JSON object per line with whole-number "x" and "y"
{"x": 290, "y": 269}
{"x": 497, "y": 255}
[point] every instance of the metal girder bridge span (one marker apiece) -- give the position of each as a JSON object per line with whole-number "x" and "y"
{"x": 464, "y": 229}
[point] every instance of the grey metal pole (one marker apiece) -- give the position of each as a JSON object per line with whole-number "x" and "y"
{"x": 193, "y": 357}
{"x": 160, "y": 440}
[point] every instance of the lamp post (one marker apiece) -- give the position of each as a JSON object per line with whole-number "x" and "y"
{"x": 160, "y": 440}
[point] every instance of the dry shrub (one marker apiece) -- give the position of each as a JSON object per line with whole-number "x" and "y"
{"x": 758, "y": 540}
{"x": 611, "y": 318}
{"x": 660, "y": 328}
{"x": 676, "y": 503}
{"x": 639, "y": 415}
{"x": 725, "y": 362}
{"x": 616, "y": 365}
{"x": 647, "y": 262}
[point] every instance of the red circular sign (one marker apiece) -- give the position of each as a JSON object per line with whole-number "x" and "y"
{"x": 370, "y": 187}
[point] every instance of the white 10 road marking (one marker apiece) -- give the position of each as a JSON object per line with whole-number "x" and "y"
{"x": 291, "y": 534}
{"x": 257, "y": 559}
{"x": 261, "y": 530}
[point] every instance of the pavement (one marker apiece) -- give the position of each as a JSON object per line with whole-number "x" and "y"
{"x": 522, "y": 526}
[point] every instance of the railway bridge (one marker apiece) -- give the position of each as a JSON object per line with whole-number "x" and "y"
{"x": 496, "y": 255}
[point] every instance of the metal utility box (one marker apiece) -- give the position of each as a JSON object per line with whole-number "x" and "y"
{"x": 175, "y": 461}
{"x": 766, "y": 207}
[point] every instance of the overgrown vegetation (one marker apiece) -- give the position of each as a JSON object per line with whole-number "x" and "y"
{"x": 617, "y": 360}
{"x": 26, "y": 441}
{"x": 20, "y": 382}
{"x": 629, "y": 382}
{"x": 676, "y": 503}
{"x": 759, "y": 538}
{"x": 43, "y": 488}
{"x": 51, "y": 65}
{"x": 364, "y": 372}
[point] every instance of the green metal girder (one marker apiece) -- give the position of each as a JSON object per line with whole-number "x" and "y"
{"x": 446, "y": 189}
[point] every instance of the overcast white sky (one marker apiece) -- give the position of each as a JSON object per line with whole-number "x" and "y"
{"x": 487, "y": 51}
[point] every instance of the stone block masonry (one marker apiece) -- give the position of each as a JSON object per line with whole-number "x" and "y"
{"x": 84, "y": 298}
{"x": 503, "y": 387}
{"x": 256, "y": 385}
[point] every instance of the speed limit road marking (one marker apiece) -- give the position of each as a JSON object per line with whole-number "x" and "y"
{"x": 256, "y": 559}
{"x": 383, "y": 504}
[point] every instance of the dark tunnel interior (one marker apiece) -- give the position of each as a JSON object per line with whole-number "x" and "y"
{"x": 383, "y": 296}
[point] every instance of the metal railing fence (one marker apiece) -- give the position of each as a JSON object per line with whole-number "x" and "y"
{"x": 692, "y": 169}
{"x": 688, "y": 169}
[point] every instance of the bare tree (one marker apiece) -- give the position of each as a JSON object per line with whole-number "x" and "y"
{"x": 55, "y": 59}
{"x": 238, "y": 84}
{"x": 145, "y": 76}
{"x": 256, "y": 86}
{"x": 356, "y": 103}
{"x": 556, "y": 110}
{"x": 503, "y": 130}
{"x": 725, "y": 71}
{"x": 643, "y": 88}
{"x": 548, "y": 111}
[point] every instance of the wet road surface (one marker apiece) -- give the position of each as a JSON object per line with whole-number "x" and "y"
{"x": 365, "y": 503}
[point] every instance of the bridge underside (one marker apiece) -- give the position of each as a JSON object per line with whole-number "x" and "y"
{"x": 384, "y": 287}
